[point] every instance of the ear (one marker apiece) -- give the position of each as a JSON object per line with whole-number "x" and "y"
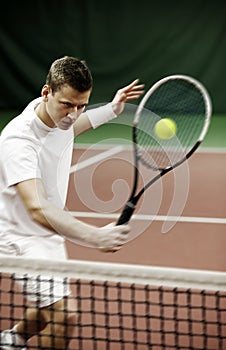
{"x": 45, "y": 91}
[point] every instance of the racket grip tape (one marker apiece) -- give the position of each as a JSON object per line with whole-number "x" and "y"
{"x": 126, "y": 213}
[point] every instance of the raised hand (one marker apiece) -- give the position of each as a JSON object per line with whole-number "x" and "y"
{"x": 128, "y": 93}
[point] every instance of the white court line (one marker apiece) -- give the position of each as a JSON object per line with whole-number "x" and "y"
{"x": 95, "y": 159}
{"x": 129, "y": 147}
{"x": 140, "y": 217}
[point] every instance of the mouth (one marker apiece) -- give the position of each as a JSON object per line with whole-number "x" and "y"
{"x": 66, "y": 122}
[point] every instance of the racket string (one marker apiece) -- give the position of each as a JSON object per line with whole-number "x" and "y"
{"x": 177, "y": 100}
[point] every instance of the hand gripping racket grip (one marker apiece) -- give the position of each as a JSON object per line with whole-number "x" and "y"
{"x": 126, "y": 214}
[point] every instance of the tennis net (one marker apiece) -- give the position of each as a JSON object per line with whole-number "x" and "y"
{"x": 119, "y": 306}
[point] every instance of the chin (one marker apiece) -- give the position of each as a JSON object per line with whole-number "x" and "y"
{"x": 64, "y": 126}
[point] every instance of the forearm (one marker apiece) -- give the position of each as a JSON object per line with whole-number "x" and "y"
{"x": 45, "y": 213}
{"x": 101, "y": 115}
{"x": 62, "y": 223}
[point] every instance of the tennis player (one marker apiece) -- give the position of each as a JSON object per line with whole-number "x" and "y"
{"x": 35, "y": 159}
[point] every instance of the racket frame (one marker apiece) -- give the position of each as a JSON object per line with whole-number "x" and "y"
{"x": 133, "y": 199}
{"x": 191, "y": 80}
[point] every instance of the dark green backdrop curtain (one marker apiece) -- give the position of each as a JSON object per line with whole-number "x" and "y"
{"x": 120, "y": 40}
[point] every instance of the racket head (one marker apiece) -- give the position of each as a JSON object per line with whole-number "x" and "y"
{"x": 182, "y": 99}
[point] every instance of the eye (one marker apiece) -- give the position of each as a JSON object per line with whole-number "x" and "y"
{"x": 81, "y": 106}
{"x": 68, "y": 104}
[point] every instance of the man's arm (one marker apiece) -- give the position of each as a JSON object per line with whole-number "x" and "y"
{"x": 44, "y": 213}
{"x": 82, "y": 124}
{"x": 101, "y": 115}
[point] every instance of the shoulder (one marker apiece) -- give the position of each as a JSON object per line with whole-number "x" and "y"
{"x": 21, "y": 125}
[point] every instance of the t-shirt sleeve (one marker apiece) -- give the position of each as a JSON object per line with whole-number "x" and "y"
{"x": 20, "y": 160}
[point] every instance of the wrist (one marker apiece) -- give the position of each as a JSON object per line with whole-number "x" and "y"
{"x": 101, "y": 115}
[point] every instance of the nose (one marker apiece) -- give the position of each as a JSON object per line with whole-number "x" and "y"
{"x": 74, "y": 111}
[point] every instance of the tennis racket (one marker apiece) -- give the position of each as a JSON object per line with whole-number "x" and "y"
{"x": 187, "y": 103}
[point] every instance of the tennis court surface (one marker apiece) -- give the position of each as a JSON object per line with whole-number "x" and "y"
{"x": 195, "y": 224}
{"x": 162, "y": 290}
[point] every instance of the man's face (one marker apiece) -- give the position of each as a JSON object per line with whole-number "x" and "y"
{"x": 64, "y": 106}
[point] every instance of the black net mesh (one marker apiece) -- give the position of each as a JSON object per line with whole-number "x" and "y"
{"x": 114, "y": 315}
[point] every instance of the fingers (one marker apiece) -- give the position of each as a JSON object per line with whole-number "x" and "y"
{"x": 133, "y": 95}
{"x": 110, "y": 250}
{"x": 113, "y": 237}
{"x": 134, "y": 85}
{"x": 129, "y": 92}
{"x": 134, "y": 88}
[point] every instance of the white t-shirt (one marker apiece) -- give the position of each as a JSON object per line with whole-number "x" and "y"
{"x": 30, "y": 149}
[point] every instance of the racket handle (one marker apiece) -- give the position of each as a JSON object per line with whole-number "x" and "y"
{"x": 126, "y": 214}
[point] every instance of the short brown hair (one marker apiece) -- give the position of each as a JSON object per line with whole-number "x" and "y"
{"x": 71, "y": 71}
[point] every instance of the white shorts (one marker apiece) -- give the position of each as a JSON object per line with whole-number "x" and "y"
{"x": 42, "y": 290}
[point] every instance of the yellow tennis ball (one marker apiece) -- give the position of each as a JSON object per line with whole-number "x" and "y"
{"x": 165, "y": 129}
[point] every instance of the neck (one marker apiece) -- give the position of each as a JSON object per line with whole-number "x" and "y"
{"x": 42, "y": 114}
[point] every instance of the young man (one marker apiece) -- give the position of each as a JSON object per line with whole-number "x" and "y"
{"x": 35, "y": 158}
